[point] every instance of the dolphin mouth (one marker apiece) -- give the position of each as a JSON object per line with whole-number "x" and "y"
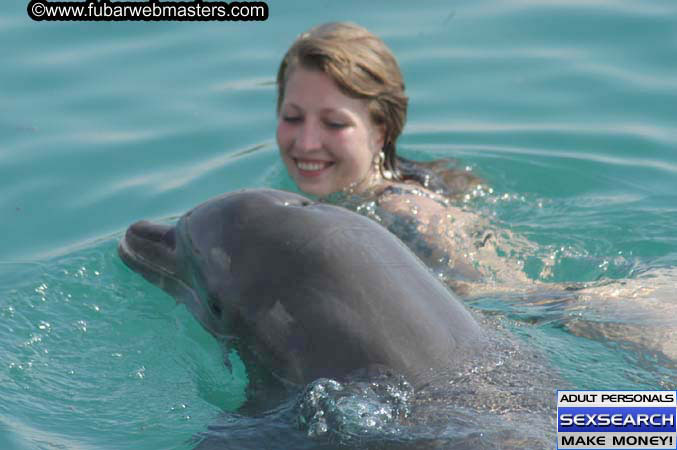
{"x": 150, "y": 249}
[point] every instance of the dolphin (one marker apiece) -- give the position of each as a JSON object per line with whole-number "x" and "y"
{"x": 314, "y": 290}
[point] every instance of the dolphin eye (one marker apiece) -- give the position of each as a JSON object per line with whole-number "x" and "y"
{"x": 170, "y": 238}
{"x": 297, "y": 204}
{"x": 216, "y": 309}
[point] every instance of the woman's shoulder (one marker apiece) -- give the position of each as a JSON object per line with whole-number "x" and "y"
{"x": 432, "y": 213}
{"x": 443, "y": 176}
{"x": 411, "y": 199}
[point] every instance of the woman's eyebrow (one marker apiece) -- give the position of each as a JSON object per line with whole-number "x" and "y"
{"x": 340, "y": 111}
{"x": 291, "y": 105}
{"x": 327, "y": 110}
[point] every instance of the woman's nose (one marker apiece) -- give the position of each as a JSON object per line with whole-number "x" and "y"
{"x": 309, "y": 137}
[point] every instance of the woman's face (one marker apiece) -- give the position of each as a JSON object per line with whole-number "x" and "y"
{"x": 326, "y": 139}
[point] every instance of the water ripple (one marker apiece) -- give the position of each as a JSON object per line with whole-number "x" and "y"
{"x": 627, "y": 7}
{"x": 607, "y": 72}
{"x": 553, "y": 153}
{"x": 661, "y": 134}
{"x": 498, "y": 54}
{"x": 243, "y": 85}
{"x": 91, "y": 52}
{"x": 164, "y": 180}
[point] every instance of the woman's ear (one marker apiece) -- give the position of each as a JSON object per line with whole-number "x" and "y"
{"x": 379, "y": 138}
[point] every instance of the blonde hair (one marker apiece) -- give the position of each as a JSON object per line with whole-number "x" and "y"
{"x": 362, "y": 66}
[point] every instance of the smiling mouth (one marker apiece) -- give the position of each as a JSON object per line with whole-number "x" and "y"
{"x": 312, "y": 167}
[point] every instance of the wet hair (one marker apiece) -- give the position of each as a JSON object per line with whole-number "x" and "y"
{"x": 362, "y": 66}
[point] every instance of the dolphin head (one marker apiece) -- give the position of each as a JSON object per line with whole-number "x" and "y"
{"x": 194, "y": 260}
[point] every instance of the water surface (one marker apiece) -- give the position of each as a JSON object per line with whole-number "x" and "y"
{"x": 565, "y": 108}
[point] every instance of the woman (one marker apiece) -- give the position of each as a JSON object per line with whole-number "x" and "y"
{"x": 341, "y": 107}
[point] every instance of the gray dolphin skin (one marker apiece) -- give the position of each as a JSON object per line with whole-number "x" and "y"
{"x": 314, "y": 290}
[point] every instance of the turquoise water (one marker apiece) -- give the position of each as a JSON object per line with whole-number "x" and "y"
{"x": 567, "y": 109}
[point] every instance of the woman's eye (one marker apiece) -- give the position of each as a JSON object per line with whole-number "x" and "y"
{"x": 291, "y": 119}
{"x": 336, "y": 125}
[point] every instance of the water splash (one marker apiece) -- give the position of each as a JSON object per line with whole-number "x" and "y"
{"x": 344, "y": 412}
